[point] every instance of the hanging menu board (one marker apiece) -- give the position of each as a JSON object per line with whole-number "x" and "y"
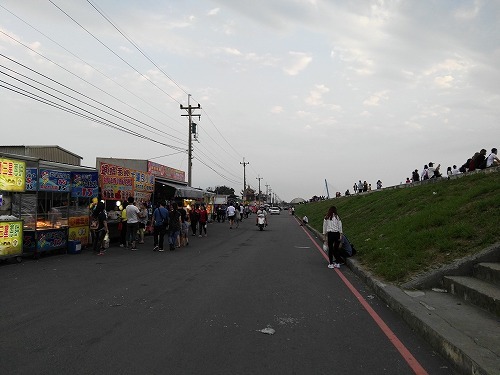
{"x": 49, "y": 180}
{"x": 12, "y": 175}
{"x": 119, "y": 183}
{"x": 11, "y": 238}
{"x": 84, "y": 184}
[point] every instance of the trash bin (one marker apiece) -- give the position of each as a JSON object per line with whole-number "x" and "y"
{"x": 74, "y": 247}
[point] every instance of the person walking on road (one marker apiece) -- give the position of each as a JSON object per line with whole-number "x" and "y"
{"x": 132, "y": 222}
{"x": 159, "y": 223}
{"x": 100, "y": 228}
{"x": 194, "y": 218}
{"x": 231, "y": 211}
{"x": 174, "y": 226}
{"x": 332, "y": 235}
{"x": 203, "y": 220}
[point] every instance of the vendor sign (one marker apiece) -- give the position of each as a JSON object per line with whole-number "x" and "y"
{"x": 84, "y": 184}
{"x": 31, "y": 179}
{"x": 120, "y": 183}
{"x": 11, "y": 238}
{"x": 50, "y": 180}
{"x": 166, "y": 172}
{"x": 79, "y": 234}
{"x": 12, "y": 175}
{"x": 51, "y": 239}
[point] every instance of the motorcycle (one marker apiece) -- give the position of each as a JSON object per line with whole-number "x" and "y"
{"x": 261, "y": 221}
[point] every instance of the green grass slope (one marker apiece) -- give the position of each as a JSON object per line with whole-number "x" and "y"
{"x": 401, "y": 232}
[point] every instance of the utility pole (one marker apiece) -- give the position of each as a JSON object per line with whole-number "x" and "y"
{"x": 244, "y": 178}
{"x": 259, "y": 178}
{"x": 192, "y": 129}
{"x": 267, "y": 191}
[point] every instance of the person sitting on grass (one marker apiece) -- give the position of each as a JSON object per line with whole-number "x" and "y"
{"x": 492, "y": 160}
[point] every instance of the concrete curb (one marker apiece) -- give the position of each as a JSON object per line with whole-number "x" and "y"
{"x": 458, "y": 348}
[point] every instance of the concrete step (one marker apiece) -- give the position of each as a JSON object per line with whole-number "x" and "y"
{"x": 489, "y": 272}
{"x": 474, "y": 291}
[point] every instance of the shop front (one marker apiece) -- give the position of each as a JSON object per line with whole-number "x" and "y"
{"x": 54, "y": 205}
{"x": 12, "y": 182}
{"x": 120, "y": 179}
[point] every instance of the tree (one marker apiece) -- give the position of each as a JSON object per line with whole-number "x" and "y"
{"x": 222, "y": 190}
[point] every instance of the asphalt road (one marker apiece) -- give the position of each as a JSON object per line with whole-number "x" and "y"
{"x": 200, "y": 310}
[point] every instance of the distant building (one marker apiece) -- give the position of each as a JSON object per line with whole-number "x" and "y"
{"x": 50, "y": 153}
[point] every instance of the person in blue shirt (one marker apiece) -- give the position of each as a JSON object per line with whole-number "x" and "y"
{"x": 159, "y": 221}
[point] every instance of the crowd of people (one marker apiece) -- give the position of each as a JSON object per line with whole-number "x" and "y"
{"x": 480, "y": 160}
{"x": 170, "y": 221}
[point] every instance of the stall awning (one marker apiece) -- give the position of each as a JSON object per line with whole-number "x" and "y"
{"x": 183, "y": 191}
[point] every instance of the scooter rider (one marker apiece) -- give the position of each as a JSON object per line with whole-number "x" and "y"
{"x": 261, "y": 211}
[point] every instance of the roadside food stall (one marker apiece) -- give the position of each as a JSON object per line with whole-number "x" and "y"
{"x": 170, "y": 185}
{"x": 53, "y": 205}
{"x": 12, "y": 182}
{"x": 120, "y": 179}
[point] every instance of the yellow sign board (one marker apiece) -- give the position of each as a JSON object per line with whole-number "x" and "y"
{"x": 11, "y": 238}
{"x": 12, "y": 175}
{"x": 79, "y": 234}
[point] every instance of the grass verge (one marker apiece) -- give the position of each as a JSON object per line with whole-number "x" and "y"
{"x": 402, "y": 232}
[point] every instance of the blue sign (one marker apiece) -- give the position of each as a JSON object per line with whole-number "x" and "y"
{"x": 84, "y": 184}
{"x": 31, "y": 179}
{"x": 50, "y": 180}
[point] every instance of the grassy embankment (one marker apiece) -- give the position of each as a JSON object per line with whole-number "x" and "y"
{"x": 400, "y": 233}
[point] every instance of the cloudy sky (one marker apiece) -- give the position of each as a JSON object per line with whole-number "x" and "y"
{"x": 302, "y": 90}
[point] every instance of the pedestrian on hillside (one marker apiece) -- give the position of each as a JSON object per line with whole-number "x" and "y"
{"x": 492, "y": 160}
{"x": 360, "y": 186}
{"x": 132, "y": 222}
{"x": 332, "y": 235}
{"x": 355, "y": 188}
{"x": 379, "y": 184}
{"x": 159, "y": 222}
{"x": 99, "y": 232}
{"x": 415, "y": 176}
{"x": 425, "y": 173}
{"x": 174, "y": 226}
{"x": 203, "y": 220}
{"x": 455, "y": 170}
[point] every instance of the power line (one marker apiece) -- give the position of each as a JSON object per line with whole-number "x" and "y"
{"x": 135, "y": 45}
{"x": 100, "y": 72}
{"x": 74, "y": 98}
{"x": 114, "y": 53}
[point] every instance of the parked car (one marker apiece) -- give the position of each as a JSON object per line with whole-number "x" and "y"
{"x": 274, "y": 210}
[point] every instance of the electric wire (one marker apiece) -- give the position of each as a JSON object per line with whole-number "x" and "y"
{"x": 53, "y": 62}
{"x": 69, "y": 110}
{"x": 72, "y": 97}
{"x": 114, "y": 53}
{"x": 103, "y": 74}
{"x": 135, "y": 45}
{"x": 156, "y": 65}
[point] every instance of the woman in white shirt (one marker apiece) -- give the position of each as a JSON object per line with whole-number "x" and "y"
{"x": 332, "y": 235}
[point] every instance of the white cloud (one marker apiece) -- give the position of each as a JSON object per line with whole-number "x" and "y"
{"x": 213, "y": 12}
{"x": 376, "y": 98}
{"x": 315, "y": 97}
{"x": 277, "y": 109}
{"x": 444, "y": 82}
{"x": 300, "y": 61}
